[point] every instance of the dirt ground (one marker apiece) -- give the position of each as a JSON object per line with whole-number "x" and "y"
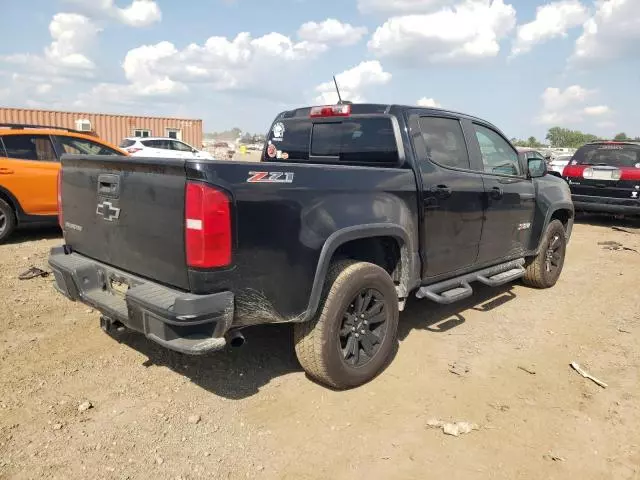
{"x": 499, "y": 360}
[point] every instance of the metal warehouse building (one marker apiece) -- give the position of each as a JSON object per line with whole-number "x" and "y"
{"x": 112, "y": 128}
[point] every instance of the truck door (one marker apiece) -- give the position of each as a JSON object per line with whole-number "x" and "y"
{"x": 509, "y": 196}
{"x": 452, "y": 196}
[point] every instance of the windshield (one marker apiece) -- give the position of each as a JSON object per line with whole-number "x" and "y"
{"x": 610, "y": 155}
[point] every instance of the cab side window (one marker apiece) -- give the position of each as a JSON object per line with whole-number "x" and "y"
{"x": 78, "y": 146}
{"x": 161, "y": 144}
{"x": 498, "y": 156}
{"x": 29, "y": 147}
{"x": 179, "y": 146}
{"x": 445, "y": 142}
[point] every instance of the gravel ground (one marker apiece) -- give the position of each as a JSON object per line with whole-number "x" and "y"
{"x": 77, "y": 403}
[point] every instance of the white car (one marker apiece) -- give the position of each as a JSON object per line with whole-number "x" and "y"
{"x": 558, "y": 163}
{"x": 162, "y": 147}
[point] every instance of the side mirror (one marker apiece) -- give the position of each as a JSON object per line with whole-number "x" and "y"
{"x": 537, "y": 167}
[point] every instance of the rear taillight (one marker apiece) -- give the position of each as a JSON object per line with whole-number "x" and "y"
{"x": 630, "y": 173}
{"x": 60, "y": 218}
{"x": 207, "y": 226}
{"x": 573, "y": 171}
{"x": 133, "y": 149}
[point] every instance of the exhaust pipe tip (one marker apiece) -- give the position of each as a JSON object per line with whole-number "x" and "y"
{"x": 236, "y": 339}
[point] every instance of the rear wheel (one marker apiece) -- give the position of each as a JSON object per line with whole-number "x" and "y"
{"x": 7, "y": 220}
{"x": 354, "y": 334}
{"x": 545, "y": 268}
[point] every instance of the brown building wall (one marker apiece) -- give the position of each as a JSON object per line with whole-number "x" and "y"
{"x": 112, "y": 128}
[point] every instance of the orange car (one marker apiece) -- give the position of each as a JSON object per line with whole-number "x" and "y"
{"x": 29, "y": 164}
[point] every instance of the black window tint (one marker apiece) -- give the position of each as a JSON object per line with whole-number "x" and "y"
{"x": 498, "y": 156}
{"x": 327, "y": 139}
{"x": 445, "y": 142}
{"x": 361, "y": 140}
{"x": 86, "y": 147}
{"x": 162, "y": 144}
{"x": 29, "y": 147}
{"x": 609, "y": 154}
{"x": 293, "y": 140}
{"x": 126, "y": 143}
{"x": 179, "y": 146}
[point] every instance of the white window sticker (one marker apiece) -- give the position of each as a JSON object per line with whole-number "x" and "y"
{"x": 278, "y": 132}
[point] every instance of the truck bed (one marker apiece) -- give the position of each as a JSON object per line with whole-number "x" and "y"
{"x": 282, "y": 218}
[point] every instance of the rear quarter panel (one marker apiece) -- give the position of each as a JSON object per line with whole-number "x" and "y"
{"x": 281, "y": 229}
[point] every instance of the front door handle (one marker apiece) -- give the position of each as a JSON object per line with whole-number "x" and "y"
{"x": 6, "y": 171}
{"x": 496, "y": 193}
{"x": 441, "y": 191}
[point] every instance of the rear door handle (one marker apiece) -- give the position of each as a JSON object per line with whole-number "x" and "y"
{"x": 6, "y": 171}
{"x": 496, "y": 193}
{"x": 441, "y": 191}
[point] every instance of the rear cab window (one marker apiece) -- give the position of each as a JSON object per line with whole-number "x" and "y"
{"x": 126, "y": 143}
{"x": 608, "y": 154}
{"x": 354, "y": 140}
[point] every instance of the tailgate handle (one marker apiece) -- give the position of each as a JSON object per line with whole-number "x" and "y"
{"x": 109, "y": 185}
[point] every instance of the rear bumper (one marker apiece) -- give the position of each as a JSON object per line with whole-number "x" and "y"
{"x": 622, "y": 206}
{"x": 187, "y": 323}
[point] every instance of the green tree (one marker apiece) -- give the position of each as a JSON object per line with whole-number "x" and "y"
{"x": 533, "y": 143}
{"x": 621, "y": 137}
{"x": 564, "y": 137}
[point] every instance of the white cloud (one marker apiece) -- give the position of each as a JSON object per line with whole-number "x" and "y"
{"x": 597, "y": 110}
{"x": 331, "y": 32}
{"x": 606, "y": 124}
{"x": 612, "y": 32}
{"x": 353, "y": 83}
{"x": 552, "y": 20}
{"x": 568, "y": 105}
{"x": 428, "y": 102}
{"x": 139, "y": 13}
{"x": 162, "y": 70}
{"x": 73, "y": 35}
{"x": 401, "y": 6}
{"x": 43, "y": 88}
{"x": 471, "y": 30}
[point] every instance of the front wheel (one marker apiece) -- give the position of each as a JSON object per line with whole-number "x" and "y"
{"x": 7, "y": 220}
{"x": 354, "y": 334}
{"x": 544, "y": 269}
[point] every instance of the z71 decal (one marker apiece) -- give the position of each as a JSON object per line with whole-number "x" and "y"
{"x": 270, "y": 177}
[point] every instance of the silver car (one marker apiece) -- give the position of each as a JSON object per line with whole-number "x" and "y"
{"x": 558, "y": 163}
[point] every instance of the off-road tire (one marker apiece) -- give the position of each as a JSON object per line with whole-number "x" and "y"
{"x": 317, "y": 341}
{"x": 537, "y": 275}
{"x": 9, "y": 221}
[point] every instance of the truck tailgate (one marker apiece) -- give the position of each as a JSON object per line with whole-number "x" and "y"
{"x": 127, "y": 212}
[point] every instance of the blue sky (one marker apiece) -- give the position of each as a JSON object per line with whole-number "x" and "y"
{"x": 525, "y": 65}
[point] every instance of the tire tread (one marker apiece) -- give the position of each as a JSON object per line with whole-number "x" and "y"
{"x": 534, "y": 274}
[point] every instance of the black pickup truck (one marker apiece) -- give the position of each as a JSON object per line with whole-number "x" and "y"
{"x": 352, "y": 209}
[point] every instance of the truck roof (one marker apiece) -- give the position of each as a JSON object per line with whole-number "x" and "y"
{"x": 383, "y": 108}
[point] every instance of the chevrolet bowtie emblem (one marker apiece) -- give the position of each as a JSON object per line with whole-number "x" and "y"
{"x": 106, "y": 210}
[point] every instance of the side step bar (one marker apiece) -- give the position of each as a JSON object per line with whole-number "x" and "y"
{"x": 457, "y": 289}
